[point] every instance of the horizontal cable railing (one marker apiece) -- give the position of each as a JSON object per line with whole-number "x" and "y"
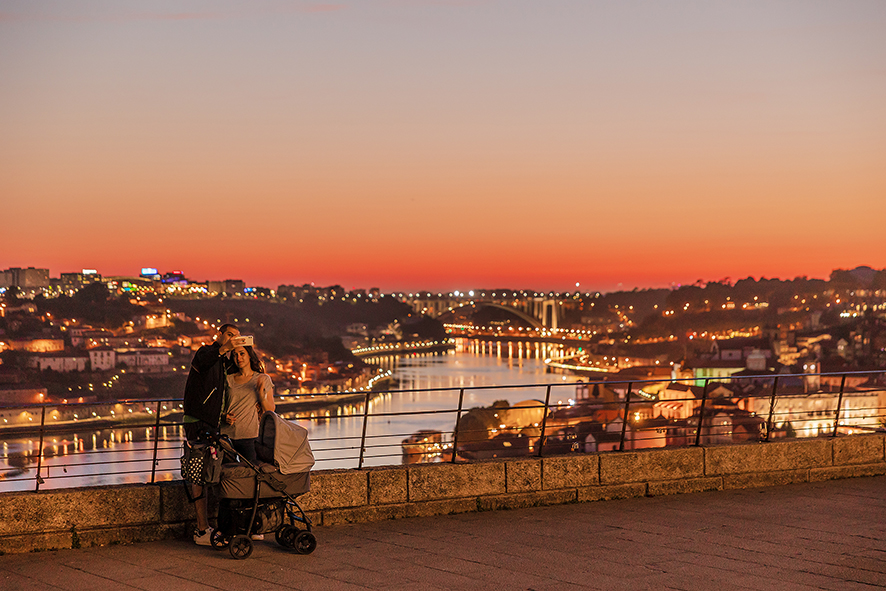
{"x": 137, "y": 441}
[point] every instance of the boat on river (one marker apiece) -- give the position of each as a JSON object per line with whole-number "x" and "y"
{"x": 423, "y": 447}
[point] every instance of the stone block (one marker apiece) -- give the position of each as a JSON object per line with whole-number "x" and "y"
{"x": 767, "y": 457}
{"x": 76, "y": 538}
{"x": 523, "y": 475}
{"x": 332, "y": 489}
{"x": 686, "y": 485}
{"x": 442, "y": 507}
{"x": 35, "y": 542}
{"x": 446, "y": 481}
{"x": 858, "y": 449}
{"x": 571, "y": 471}
{"x": 364, "y": 514}
{"x": 837, "y": 472}
{"x": 131, "y": 534}
{"x": 174, "y": 503}
{"x": 648, "y": 465}
{"x": 759, "y": 479}
{"x": 388, "y": 485}
{"x": 60, "y": 510}
{"x": 611, "y": 492}
{"x": 527, "y": 499}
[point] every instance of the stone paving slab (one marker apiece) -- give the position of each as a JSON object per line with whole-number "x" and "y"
{"x": 824, "y": 535}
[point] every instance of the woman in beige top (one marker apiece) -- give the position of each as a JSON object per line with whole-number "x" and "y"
{"x": 250, "y": 393}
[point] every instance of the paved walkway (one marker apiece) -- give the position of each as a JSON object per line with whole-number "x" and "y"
{"x": 829, "y": 535}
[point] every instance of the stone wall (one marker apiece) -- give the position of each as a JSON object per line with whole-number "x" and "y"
{"x": 133, "y": 513}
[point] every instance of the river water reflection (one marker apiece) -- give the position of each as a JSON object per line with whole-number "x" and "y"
{"x": 429, "y": 384}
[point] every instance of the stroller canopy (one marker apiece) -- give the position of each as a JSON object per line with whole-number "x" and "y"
{"x": 284, "y": 444}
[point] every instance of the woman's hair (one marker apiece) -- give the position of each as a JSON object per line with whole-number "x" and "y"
{"x": 254, "y": 362}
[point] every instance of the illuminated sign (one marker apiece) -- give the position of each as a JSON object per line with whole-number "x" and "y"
{"x": 148, "y": 271}
{"x": 89, "y": 271}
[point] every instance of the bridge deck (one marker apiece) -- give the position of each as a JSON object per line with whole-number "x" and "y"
{"x": 829, "y": 535}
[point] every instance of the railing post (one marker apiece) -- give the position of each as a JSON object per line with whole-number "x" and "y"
{"x": 363, "y": 437}
{"x": 156, "y": 440}
{"x": 544, "y": 422}
{"x": 771, "y": 407}
{"x": 704, "y": 398}
{"x": 461, "y": 398}
{"x": 39, "y": 480}
{"x": 839, "y": 405}
{"x": 624, "y": 423}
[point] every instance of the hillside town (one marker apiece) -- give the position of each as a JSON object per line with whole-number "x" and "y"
{"x": 668, "y": 352}
{"x": 90, "y": 338}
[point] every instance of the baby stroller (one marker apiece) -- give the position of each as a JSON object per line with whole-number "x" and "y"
{"x": 260, "y": 499}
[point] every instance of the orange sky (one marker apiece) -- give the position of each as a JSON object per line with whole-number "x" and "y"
{"x": 444, "y": 145}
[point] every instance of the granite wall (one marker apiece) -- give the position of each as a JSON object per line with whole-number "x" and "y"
{"x": 69, "y": 518}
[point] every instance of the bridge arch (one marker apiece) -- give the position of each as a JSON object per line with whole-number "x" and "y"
{"x": 452, "y": 315}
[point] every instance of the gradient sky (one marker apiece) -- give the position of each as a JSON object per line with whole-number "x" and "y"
{"x": 444, "y": 145}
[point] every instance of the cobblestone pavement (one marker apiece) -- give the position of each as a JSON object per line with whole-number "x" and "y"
{"x": 827, "y": 535}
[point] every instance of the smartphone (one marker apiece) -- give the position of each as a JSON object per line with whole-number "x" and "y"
{"x": 242, "y": 341}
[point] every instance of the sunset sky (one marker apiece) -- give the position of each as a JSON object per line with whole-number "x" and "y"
{"x": 447, "y": 144}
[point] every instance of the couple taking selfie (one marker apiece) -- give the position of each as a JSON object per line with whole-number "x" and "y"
{"x": 227, "y": 392}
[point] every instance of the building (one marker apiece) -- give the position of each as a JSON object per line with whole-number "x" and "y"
{"x": 34, "y": 345}
{"x": 89, "y": 338}
{"x": 234, "y": 287}
{"x": 29, "y": 281}
{"x": 13, "y": 394}
{"x": 810, "y": 415}
{"x": 102, "y": 359}
{"x": 130, "y": 285}
{"x": 71, "y": 282}
{"x": 153, "y": 360}
{"x": 195, "y": 342}
{"x": 703, "y": 371}
{"x": 228, "y": 287}
{"x": 60, "y": 362}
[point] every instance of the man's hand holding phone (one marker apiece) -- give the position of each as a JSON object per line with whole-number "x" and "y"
{"x": 242, "y": 341}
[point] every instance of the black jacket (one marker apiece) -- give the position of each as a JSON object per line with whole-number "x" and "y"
{"x": 205, "y": 388}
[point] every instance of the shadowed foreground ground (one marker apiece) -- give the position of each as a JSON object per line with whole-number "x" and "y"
{"x": 827, "y": 535}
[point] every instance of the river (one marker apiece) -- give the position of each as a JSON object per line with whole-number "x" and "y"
{"x": 429, "y": 384}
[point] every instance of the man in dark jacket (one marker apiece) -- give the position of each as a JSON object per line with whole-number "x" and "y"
{"x": 203, "y": 401}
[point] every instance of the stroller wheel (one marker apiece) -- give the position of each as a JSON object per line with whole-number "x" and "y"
{"x": 219, "y": 540}
{"x": 285, "y": 536}
{"x": 240, "y": 547}
{"x": 305, "y": 542}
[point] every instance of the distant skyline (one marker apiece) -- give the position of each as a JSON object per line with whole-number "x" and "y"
{"x": 460, "y": 288}
{"x": 444, "y": 144}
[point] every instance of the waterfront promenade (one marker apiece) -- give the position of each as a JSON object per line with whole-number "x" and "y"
{"x": 825, "y": 535}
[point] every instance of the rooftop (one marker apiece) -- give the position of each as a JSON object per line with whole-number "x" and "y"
{"x": 824, "y": 535}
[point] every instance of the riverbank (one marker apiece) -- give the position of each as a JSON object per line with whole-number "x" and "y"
{"x": 401, "y": 348}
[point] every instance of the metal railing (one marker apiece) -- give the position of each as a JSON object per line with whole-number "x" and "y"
{"x": 139, "y": 441}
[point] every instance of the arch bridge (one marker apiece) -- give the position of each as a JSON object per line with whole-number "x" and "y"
{"x": 535, "y": 311}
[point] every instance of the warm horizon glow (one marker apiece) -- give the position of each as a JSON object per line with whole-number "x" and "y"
{"x": 444, "y": 145}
